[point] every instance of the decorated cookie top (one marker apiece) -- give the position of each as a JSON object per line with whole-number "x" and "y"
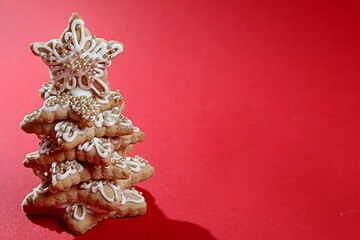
{"x": 78, "y": 59}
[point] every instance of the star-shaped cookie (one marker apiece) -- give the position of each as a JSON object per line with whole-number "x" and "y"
{"x": 78, "y": 59}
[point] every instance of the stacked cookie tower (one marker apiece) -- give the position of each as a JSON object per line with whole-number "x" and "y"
{"x": 84, "y": 137}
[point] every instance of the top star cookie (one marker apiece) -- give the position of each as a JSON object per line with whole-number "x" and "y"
{"x": 78, "y": 59}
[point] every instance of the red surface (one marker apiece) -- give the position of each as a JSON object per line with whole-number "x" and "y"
{"x": 250, "y": 109}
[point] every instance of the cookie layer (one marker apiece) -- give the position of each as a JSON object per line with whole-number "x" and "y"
{"x": 69, "y": 134}
{"x": 81, "y": 217}
{"x": 69, "y": 173}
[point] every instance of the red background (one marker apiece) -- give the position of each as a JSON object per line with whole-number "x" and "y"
{"x": 250, "y": 109}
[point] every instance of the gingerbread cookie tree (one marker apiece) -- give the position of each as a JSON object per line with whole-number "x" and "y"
{"x": 84, "y": 137}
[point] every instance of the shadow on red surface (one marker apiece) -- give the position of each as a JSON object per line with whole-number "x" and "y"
{"x": 153, "y": 225}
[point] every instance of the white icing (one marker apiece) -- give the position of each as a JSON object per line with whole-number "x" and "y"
{"x": 136, "y": 129}
{"x": 78, "y": 92}
{"x": 103, "y": 100}
{"x": 33, "y": 155}
{"x": 68, "y": 130}
{"x": 48, "y": 146}
{"x": 135, "y": 163}
{"x": 102, "y": 147}
{"x": 30, "y": 117}
{"x": 47, "y": 88}
{"x": 85, "y": 209}
{"x": 110, "y": 118}
{"x": 54, "y": 107}
{"x": 50, "y": 109}
{"x": 75, "y": 207}
{"x": 49, "y": 93}
{"x": 99, "y": 186}
{"x": 44, "y": 187}
{"x": 126, "y": 123}
{"x": 74, "y": 167}
{"x": 70, "y": 62}
{"x": 124, "y": 200}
